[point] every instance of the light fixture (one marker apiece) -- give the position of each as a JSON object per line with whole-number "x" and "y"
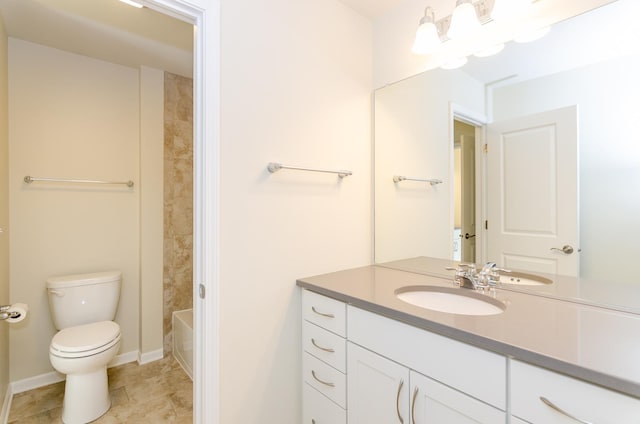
{"x": 507, "y": 9}
{"x": 464, "y": 20}
{"x": 427, "y": 37}
{"x": 132, "y": 3}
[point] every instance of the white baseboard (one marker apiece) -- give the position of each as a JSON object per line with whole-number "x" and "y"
{"x": 55, "y": 377}
{"x": 145, "y": 358}
{"x": 6, "y": 406}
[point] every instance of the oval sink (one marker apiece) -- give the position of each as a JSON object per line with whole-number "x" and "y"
{"x": 450, "y": 300}
{"x": 521, "y": 279}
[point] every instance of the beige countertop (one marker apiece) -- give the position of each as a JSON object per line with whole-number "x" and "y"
{"x": 595, "y": 344}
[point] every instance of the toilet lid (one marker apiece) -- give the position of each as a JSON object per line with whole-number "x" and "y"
{"x": 82, "y": 338}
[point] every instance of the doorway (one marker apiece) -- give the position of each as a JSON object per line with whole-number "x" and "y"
{"x": 464, "y": 160}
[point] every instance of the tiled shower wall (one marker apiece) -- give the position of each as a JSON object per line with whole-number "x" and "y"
{"x": 178, "y": 199}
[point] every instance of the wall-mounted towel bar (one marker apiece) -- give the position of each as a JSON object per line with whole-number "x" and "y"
{"x": 274, "y": 166}
{"x": 28, "y": 179}
{"x": 432, "y": 181}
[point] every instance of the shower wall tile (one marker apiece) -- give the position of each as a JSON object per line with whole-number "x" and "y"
{"x": 178, "y": 199}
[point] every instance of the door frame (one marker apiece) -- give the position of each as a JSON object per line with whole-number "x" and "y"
{"x": 461, "y": 113}
{"x": 205, "y": 16}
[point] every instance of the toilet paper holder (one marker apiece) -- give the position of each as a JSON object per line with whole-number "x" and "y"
{"x": 5, "y": 312}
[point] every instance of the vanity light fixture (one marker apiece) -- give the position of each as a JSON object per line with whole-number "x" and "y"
{"x": 132, "y": 3}
{"x": 427, "y": 37}
{"x": 464, "y": 20}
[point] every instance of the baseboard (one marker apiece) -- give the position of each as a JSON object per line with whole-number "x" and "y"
{"x": 145, "y": 358}
{"x": 6, "y": 406}
{"x": 55, "y": 377}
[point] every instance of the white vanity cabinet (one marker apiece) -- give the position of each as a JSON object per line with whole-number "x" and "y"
{"x": 381, "y": 391}
{"x": 567, "y": 400}
{"x": 323, "y": 360}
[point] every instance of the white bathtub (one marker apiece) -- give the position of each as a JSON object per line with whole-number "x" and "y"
{"x": 182, "y": 322}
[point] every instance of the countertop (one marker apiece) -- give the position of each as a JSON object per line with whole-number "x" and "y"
{"x": 598, "y": 345}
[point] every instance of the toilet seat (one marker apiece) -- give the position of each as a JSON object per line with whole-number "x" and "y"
{"x": 85, "y": 340}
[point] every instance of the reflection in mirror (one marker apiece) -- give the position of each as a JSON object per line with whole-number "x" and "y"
{"x": 575, "y": 68}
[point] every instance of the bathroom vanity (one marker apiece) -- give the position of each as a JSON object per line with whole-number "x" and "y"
{"x": 369, "y": 357}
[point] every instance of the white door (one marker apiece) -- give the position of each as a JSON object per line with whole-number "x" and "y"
{"x": 468, "y": 198}
{"x": 532, "y": 199}
{"x": 377, "y": 388}
{"x": 433, "y": 402}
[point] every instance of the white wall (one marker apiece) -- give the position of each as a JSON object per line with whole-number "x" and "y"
{"x": 71, "y": 117}
{"x": 609, "y": 158}
{"x": 413, "y": 139}
{"x": 296, "y": 89}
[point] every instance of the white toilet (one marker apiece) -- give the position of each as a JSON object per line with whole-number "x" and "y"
{"x": 83, "y": 307}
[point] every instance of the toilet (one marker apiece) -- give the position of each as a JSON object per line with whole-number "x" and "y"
{"x": 83, "y": 307}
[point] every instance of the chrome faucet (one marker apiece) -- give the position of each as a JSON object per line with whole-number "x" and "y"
{"x": 467, "y": 277}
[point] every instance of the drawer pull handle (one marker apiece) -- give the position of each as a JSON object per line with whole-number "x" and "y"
{"x": 313, "y": 308}
{"x": 413, "y": 406}
{"x": 313, "y": 374}
{"x": 558, "y": 409}
{"x": 398, "y": 401}
{"x": 326, "y": 349}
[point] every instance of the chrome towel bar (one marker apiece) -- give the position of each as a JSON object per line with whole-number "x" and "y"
{"x": 432, "y": 181}
{"x": 28, "y": 179}
{"x": 274, "y": 167}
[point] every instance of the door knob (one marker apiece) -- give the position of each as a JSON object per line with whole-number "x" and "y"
{"x": 467, "y": 236}
{"x": 566, "y": 249}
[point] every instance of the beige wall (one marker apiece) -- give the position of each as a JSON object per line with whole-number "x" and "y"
{"x": 70, "y": 117}
{"x": 296, "y": 88}
{"x": 178, "y": 200}
{"x": 4, "y": 211}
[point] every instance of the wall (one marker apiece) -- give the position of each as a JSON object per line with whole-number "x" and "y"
{"x": 609, "y": 158}
{"x": 413, "y": 139}
{"x": 178, "y": 200}
{"x": 4, "y": 210}
{"x": 75, "y": 117}
{"x": 296, "y": 89}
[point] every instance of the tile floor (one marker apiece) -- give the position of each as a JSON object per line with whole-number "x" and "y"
{"x": 157, "y": 392}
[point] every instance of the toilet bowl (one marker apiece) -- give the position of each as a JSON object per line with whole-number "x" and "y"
{"x": 82, "y": 353}
{"x": 82, "y": 308}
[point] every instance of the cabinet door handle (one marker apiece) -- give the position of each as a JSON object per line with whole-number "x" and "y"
{"x": 560, "y": 410}
{"x": 313, "y": 374}
{"x": 413, "y": 406}
{"x": 398, "y": 401}
{"x": 313, "y": 308}
{"x": 326, "y": 349}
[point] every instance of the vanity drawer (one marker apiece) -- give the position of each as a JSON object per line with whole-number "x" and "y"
{"x": 324, "y": 345}
{"x": 582, "y": 400}
{"x": 326, "y": 312}
{"x": 324, "y": 378}
{"x": 318, "y": 409}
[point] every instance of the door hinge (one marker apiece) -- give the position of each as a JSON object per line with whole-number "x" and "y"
{"x": 486, "y": 225}
{"x": 485, "y": 148}
{"x": 201, "y": 291}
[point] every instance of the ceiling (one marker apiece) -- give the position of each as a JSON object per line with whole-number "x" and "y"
{"x": 105, "y": 29}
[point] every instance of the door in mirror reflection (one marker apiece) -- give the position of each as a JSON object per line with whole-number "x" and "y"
{"x": 464, "y": 161}
{"x": 533, "y": 204}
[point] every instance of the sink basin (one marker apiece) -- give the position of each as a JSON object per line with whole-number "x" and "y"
{"x": 450, "y": 300}
{"x": 521, "y": 279}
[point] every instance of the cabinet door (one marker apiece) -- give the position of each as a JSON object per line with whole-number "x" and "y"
{"x": 435, "y": 403}
{"x": 378, "y": 389}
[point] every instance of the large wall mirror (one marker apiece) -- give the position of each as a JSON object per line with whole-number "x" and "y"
{"x": 535, "y": 139}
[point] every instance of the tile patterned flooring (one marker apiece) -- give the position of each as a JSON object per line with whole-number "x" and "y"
{"x": 157, "y": 392}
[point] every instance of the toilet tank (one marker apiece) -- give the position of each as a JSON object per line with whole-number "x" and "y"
{"x": 83, "y": 298}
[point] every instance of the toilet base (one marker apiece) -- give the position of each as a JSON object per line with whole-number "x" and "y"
{"x": 86, "y": 397}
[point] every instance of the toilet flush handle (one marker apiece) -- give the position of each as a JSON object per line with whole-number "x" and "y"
{"x": 57, "y": 292}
